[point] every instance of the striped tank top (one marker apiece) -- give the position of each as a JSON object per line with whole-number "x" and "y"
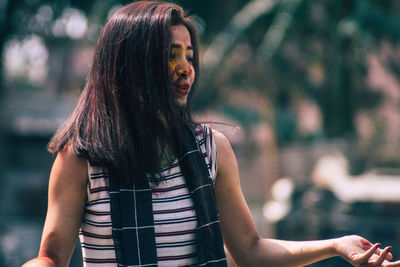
{"x": 173, "y": 210}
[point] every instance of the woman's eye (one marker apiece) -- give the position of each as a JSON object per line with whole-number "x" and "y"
{"x": 189, "y": 59}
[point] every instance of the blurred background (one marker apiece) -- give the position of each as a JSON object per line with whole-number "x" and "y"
{"x": 307, "y": 91}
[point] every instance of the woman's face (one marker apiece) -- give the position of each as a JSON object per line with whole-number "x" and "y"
{"x": 180, "y": 64}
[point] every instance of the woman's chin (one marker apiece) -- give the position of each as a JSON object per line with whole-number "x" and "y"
{"x": 180, "y": 102}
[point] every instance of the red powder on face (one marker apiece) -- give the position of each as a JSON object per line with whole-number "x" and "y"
{"x": 183, "y": 71}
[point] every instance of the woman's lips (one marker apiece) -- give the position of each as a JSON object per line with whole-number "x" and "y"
{"x": 182, "y": 89}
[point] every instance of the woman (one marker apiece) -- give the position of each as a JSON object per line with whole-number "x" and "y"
{"x": 140, "y": 181}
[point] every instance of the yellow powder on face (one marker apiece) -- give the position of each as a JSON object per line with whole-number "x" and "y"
{"x": 172, "y": 66}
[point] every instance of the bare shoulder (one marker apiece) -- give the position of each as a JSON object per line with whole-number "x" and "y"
{"x": 222, "y": 143}
{"x": 69, "y": 166}
{"x": 68, "y": 155}
{"x": 227, "y": 166}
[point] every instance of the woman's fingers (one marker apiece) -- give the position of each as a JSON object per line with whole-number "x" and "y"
{"x": 392, "y": 264}
{"x": 367, "y": 254}
{"x": 382, "y": 257}
{"x": 389, "y": 255}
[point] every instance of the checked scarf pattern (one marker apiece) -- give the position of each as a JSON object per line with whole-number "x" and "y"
{"x": 132, "y": 216}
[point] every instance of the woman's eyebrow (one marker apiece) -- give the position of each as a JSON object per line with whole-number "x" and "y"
{"x": 180, "y": 46}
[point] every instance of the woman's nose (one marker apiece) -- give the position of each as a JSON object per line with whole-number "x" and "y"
{"x": 182, "y": 72}
{"x": 184, "y": 69}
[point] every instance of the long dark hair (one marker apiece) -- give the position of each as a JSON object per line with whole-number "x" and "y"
{"x": 117, "y": 122}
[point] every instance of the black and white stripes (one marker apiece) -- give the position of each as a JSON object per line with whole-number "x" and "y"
{"x": 173, "y": 210}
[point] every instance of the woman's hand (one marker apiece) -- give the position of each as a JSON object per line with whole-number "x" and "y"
{"x": 360, "y": 252}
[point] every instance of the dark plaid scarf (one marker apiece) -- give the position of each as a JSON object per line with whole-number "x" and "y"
{"x": 132, "y": 214}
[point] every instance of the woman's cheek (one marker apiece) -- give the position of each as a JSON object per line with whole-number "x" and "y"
{"x": 192, "y": 73}
{"x": 171, "y": 66}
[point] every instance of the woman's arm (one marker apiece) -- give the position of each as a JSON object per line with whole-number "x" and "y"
{"x": 248, "y": 249}
{"x": 66, "y": 202}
